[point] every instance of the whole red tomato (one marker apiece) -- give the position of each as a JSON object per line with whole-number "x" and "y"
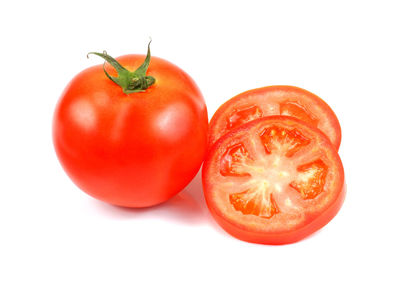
{"x": 132, "y": 134}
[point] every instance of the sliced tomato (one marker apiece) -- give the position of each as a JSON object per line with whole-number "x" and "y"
{"x": 275, "y": 100}
{"x": 274, "y": 180}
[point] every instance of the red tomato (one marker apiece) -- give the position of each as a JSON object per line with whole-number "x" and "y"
{"x": 131, "y": 146}
{"x": 275, "y": 100}
{"x": 274, "y": 180}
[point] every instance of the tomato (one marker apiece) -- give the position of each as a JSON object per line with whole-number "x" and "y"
{"x": 274, "y": 180}
{"x": 275, "y": 100}
{"x": 132, "y": 139}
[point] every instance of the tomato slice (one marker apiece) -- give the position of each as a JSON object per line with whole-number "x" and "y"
{"x": 275, "y": 100}
{"x": 274, "y": 180}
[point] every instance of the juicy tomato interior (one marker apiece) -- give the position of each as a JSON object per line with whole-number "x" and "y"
{"x": 279, "y": 142}
{"x": 234, "y": 154}
{"x": 272, "y": 175}
{"x": 243, "y": 115}
{"x": 275, "y": 100}
{"x": 292, "y": 108}
{"x": 312, "y": 180}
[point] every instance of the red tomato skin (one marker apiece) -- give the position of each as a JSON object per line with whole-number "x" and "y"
{"x": 214, "y": 132}
{"x": 135, "y": 150}
{"x": 310, "y": 226}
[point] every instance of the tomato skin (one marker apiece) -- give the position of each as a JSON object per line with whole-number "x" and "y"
{"x": 271, "y": 95}
{"x": 313, "y": 222}
{"x": 133, "y": 150}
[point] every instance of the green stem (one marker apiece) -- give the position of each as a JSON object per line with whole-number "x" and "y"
{"x": 130, "y": 82}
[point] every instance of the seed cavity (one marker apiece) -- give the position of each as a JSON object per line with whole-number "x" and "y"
{"x": 290, "y": 108}
{"x": 243, "y": 115}
{"x": 255, "y": 201}
{"x": 283, "y": 141}
{"x": 311, "y": 180}
{"x": 234, "y": 160}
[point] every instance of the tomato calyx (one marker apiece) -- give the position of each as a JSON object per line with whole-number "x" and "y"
{"x": 130, "y": 82}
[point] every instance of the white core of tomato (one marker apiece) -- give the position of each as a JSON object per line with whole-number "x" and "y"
{"x": 270, "y": 174}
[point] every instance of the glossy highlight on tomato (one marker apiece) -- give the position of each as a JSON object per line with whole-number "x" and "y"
{"x": 275, "y": 100}
{"x": 274, "y": 180}
{"x": 136, "y": 143}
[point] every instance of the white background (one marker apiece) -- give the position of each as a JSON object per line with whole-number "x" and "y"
{"x": 347, "y": 52}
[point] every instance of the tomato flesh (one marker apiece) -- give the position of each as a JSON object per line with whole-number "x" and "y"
{"x": 275, "y": 100}
{"x": 254, "y": 201}
{"x": 299, "y": 111}
{"x": 233, "y": 155}
{"x": 271, "y": 178}
{"x": 243, "y": 115}
{"x": 312, "y": 179}
{"x": 282, "y": 140}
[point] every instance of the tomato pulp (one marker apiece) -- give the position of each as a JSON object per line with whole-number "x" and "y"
{"x": 137, "y": 149}
{"x": 274, "y": 180}
{"x": 275, "y": 100}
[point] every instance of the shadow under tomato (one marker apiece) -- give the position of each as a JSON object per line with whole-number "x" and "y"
{"x": 186, "y": 207}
